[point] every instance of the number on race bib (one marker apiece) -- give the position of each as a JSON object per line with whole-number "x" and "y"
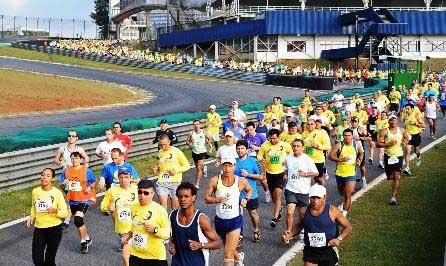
{"x": 372, "y": 127}
{"x": 165, "y": 177}
{"x": 392, "y": 160}
{"x": 74, "y": 186}
{"x": 43, "y": 205}
{"x": 274, "y": 159}
{"x": 317, "y": 239}
{"x": 124, "y": 215}
{"x": 139, "y": 240}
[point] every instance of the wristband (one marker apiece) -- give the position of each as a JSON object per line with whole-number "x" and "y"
{"x": 202, "y": 245}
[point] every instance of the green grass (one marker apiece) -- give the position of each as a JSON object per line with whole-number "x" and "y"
{"x": 55, "y": 58}
{"x": 17, "y": 204}
{"x": 412, "y": 234}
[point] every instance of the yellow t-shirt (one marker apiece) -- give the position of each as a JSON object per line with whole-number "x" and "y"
{"x": 286, "y": 137}
{"x": 274, "y": 156}
{"x": 384, "y": 98}
{"x": 321, "y": 138}
{"x": 358, "y": 100}
{"x": 397, "y": 149}
{"x": 307, "y": 101}
{"x": 41, "y": 200}
{"x": 395, "y": 96}
{"x": 147, "y": 245}
{"x": 277, "y": 109}
{"x": 381, "y": 124}
{"x": 123, "y": 200}
{"x": 410, "y": 121}
{"x": 173, "y": 158}
{"x": 268, "y": 117}
{"x": 330, "y": 116}
{"x": 348, "y": 168}
{"x": 361, "y": 115}
{"x": 213, "y": 123}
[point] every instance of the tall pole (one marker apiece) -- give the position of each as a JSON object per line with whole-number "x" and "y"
{"x": 14, "y": 25}
{"x": 37, "y": 22}
{"x": 84, "y": 30}
{"x": 2, "y": 27}
{"x": 26, "y": 23}
{"x": 61, "y": 27}
{"x": 73, "y": 28}
{"x": 49, "y": 27}
{"x": 356, "y": 44}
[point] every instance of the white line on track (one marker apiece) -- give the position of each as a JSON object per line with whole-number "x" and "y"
{"x": 298, "y": 247}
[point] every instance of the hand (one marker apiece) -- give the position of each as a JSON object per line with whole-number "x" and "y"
{"x": 111, "y": 208}
{"x": 125, "y": 239}
{"x": 149, "y": 228}
{"x": 301, "y": 173}
{"x": 254, "y": 147}
{"x": 222, "y": 200}
{"x": 194, "y": 245}
{"x": 286, "y": 237}
{"x": 65, "y": 182}
{"x": 172, "y": 172}
{"x": 263, "y": 162}
{"x": 88, "y": 189}
{"x": 172, "y": 249}
{"x": 106, "y": 156}
{"x": 343, "y": 159}
{"x": 358, "y": 162}
{"x": 101, "y": 182}
{"x": 155, "y": 169}
{"x": 393, "y": 142}
{"x": 243, "y": 203}
{"x": 244, "y": 172}
{"x": 334, "y": 242}
{"x": 30, "y": 222}
{"x": 217, "y": 164}
{"x": 52, "y": 210}
{"x": 314, "y": 144}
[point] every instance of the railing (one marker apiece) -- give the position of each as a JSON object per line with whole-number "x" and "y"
{"x": 257, "y": 9}
{"x": 20, "y": 169}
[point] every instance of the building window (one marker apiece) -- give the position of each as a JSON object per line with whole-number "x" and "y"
{"x": 435, "y": 46}
{"x": 296, "y": 47}
{"x": 411, "y": 46}
{"x": 267, "y": 44}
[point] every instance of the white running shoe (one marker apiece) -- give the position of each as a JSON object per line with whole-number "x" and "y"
{"x": 240, "y": 262}
{"x": 326, "y": 176}
{"x": 267, "y": 196}
{"x": 364, "y": 182}
{"x": 407, "y": 171}
{"x": 418, "y": 161}
{"x": 205, "y": 171}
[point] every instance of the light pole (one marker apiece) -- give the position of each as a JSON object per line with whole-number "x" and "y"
{"x": 26, "y": 24}
{"x": 49, "y": 27}
{"x": 2, "y": 27}
{"x": 61, "y": 28}
{"x": 37, "y": 24}
{"x": 73, "y": 28}
{"x": 14, "y": 30}
{"x": 84, "y": 31}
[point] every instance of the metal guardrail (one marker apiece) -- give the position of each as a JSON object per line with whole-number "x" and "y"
{"x": 257, "y": 9}
{"x": 21, "y": 169}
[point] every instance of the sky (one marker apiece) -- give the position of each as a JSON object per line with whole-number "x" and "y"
{"x": 67, "y": 9}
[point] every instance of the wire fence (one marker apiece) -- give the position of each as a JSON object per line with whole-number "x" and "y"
{"x": 16, "y": 26}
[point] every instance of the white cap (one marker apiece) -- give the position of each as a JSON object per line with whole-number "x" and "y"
{"x": 229, "y": 133}
{"x": 393, "y": 117}
{"x": 274, "y": 117}
{"x": 318, "y": 191}
{"x": 235, "y": 102}
{"x": 289, "y": 114}
{"x": 230, "y": 160}
{"x": 213, "y": 107}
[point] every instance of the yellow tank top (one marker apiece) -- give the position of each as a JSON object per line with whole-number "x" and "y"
{"x": 347, "y": 169}
{"x": 410, "y": 120}
{"x": 395, "y": 150}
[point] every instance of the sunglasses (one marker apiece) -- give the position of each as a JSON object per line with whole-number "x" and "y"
{"x": 146, "y": 193}
{"x": 233, "y": 120}
{"x": 72, "y": 136}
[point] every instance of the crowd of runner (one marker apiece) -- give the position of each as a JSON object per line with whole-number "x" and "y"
{"x": 285, "y": 150}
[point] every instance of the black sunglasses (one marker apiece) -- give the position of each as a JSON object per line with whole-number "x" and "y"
{"x": 72, "y": 136}
{"x": 146, "y": 193}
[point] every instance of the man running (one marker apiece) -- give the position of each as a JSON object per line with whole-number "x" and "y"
{"x": 172, "y": 163}
{"x": 213, "y": 123}
{"x": 110, "y": 173}
{"x": 192, "y": 232}
{"x": 299, "y": 169}
{"x": 320, "y": 220}
{"x": 47, "y": 209}
{"x": 360, "y": 135}
{"x": 392, "y": 140}
{"x": 165, "y": 130}
{"x": 224, "y": 191}
{"x": 348, "y": 154}
{"x": 414, "y": 126}
{"x": 272, "y": 156}
{"x": 227, "y": 150}
{"x": 197, "y": 140}
{"x": 80, "y": 182}
{"x": 150, "y": 227}
{"x": 125, "y": 140}
{"x": 238, "y": 113}
{"x": 431, "y": 109}
{"x": 249, "y": 168}
{"x": 291, "y": 134}
{"x": 103, "y": 151}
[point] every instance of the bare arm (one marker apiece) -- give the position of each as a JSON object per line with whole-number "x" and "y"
{"x": 333, "y": 155}
{"x": 58, "y": 155}
{"x": 214, "y": 240}
{"x": 210, "y": 190}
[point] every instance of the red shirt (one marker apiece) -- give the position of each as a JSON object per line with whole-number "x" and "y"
{"x": 126, "y": 142}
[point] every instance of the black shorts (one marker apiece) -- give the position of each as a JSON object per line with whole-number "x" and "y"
{"x": 415, "y": 140}
{"x": 301, "y": 200}
{"x": 373, "y": 134}
{"x": 252, "y": 204}
{"x": 274, "y": 181}
{"x": 324, "y": 256}
{"x": 199, "y": 156}
{"x": 81, "y": 207}
{"x": 391, "y": 168}
{"x": 136, "y": 261}
{"x": 321, "y": 169}
{"x": 394, "y": 107}
{"x": 443, "y": 107}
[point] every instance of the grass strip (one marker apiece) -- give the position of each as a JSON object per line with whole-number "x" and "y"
{"x": 414, "y": 233}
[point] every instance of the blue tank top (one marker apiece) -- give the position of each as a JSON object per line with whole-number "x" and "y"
{"x": 181, "y": 234}
{"x": 319, "y": 230}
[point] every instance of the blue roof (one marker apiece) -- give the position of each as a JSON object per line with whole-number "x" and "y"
{"x": 306, "y": 22}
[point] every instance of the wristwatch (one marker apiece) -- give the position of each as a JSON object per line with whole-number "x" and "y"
{"x": 202, "y": 245}
{"x": 340, "y": 238}
{"x": 155, "y": 230}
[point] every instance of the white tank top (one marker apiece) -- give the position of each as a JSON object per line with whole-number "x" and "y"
{"x": 230, "y": 209}
{"x": 198, "y": 142}
{"x": 66, "y": 160}
{"x": 431, "y": 110}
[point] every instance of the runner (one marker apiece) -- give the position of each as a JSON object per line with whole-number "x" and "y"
{"x": 213, "y": 123}
{"x": 172, "y": 163}
{"x": 360, "y": 135}
{"x": 103, "y": 151}
{"x": 238, "y": 113}
{"x": 249, "y": 168}
{"x": 277, "y": 108}
{"x": 442, "y": 100}
{"x": 261, "y": 127}
{"x": 118, "y": 201}
{"x": 338, "y": 132}
{"x": 227, "y": 150}
{"x": 381, "y": 124}
{"x": 196, "y": 140}
{"x": 236, "y": 128}
{"x": 392, "y": 140}
{"x": 47, "y": 209}
{"x": 320, "y": 221}
{"x": 80, "y": 181}
{"x": 348, "y": 155}
{"x": 395, "y": 99}
{"x": 431, "y": 115}
{"x": 150, "y": 227}
{"x": 224, "y": 191}
{"x": 302, "y": 112}
{"x": 338, "y": 100}
{"x": 228, "y": 123}
{"x": 358, "y": 99}
{"x": 192, "y": 232}
{"x": 165, "y": 130}
{"x": 110, "y": 173}
{"x": 272, "y": 157}
{"x": 309, "y": 100}
{"x": 291, "y": 134}
{"x": 414, "y": 126}
{"x": 125, "y": 140}
{"x": 299, "y": 169}
{"x": 316, "y": 142}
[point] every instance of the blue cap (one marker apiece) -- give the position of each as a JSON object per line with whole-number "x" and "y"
{"x": 124, "y": 170}
{"x": 260, "y": 116}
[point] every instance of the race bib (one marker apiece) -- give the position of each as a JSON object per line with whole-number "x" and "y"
{"x": 252, "y": 153}
{"x": 317, "y": 239}
{"x": 392, "y": 160}
{"x": 165, "y": 177}
{"x": 274, "y": 159}
{"x": 293, "y": 175}
{"x": 43, "y": 205}
{"x": 74, "y": 186}
{"x": 309, "y": 150}
{"x": 139, "y": 240}
{"x": 372, "y": 127}
{"x": 124, "y": 215}
{"x": 226, "y": 209}
{"x": 351, "y": 160}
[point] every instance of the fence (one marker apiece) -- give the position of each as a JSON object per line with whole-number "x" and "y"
{"x": 20, "y": 169}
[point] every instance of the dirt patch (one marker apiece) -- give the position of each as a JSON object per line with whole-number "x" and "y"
{"x": 24, "y": 92}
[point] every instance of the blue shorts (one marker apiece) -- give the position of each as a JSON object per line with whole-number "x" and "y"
{"x": 224, "y": 226}
{"x": 340, "y": 179}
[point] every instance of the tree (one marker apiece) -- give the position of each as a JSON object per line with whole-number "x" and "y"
{"x": 100, "y": 17}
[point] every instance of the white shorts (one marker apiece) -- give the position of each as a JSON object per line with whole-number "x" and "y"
{"x": 167, "y": 189}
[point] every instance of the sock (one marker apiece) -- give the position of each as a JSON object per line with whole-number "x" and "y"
{"x": 83, "y": 240}
{"x": 344, "y": 213}
{"x": 87, "y": 238}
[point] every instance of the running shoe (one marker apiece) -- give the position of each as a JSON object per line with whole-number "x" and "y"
{"x": 242, "y": 257}
{"x": 273, "y": 223}
{"x": 84, "y": 247}
{"x": 381, "y": 165}
{"x": 240, "y": 242}
{"x": 197, "y": 186}
{"x": 393, "y": 202}
{"x": 326, "y": 176}
{"x": 267, "y": 196}
{"x": 370, "y": 161}
{"x": 433, "y": 137}
{"x": 88, "y": 241}
{"x": 279, "y": 217}
{"x": 256, "y": 237}
{"x": 364, "y": 182}
{"x": 205, "y": 171}
{"x": 407, "y": 171}
{"x": 418, "y": 161}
